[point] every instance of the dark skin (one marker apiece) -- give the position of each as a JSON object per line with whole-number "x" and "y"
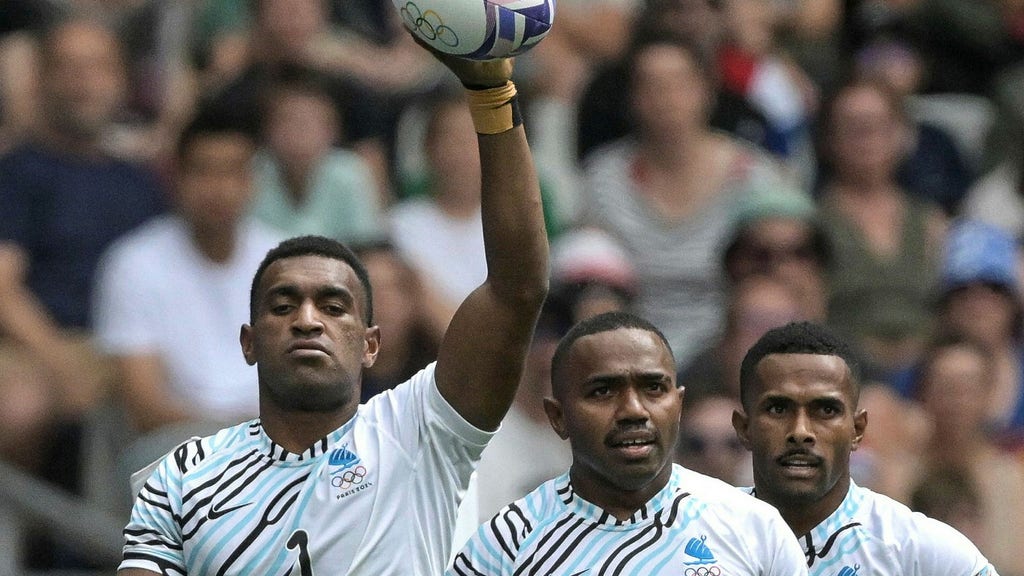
{"x": 617, "y": 403}
{"x": 311, "y": 341}
{"x": 800, "y": 419}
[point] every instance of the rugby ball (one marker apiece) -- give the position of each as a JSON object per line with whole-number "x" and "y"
{"x": 478, "y": 29}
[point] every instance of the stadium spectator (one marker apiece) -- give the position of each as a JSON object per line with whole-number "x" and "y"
{"x": 956, "y": 391}
{"x": 755, "y": 305}
{"x": 170, "y": 294}
{"x": 708, "y": 444}
{"x": 286, "y": 35}
{"x": 752, "y": 66}
{"x": 64, "y": 201}
{"x": 777, "y": 233}
{"x": 668, "y": 192}
{"x": 438, "y": 228}
{"x": 306, "y": 183}
{"x": 932, "y": 165}
{"x": 884, "y": 243}
{"x": 590, "y": 274}
{"x": 604, "y": 110}
{"x": 979, "y": 297}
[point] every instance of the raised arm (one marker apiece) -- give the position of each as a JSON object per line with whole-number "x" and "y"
{"x": 481, "y": 357}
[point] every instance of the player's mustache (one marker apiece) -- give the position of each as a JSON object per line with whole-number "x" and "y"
{"x": 631, "y": 432}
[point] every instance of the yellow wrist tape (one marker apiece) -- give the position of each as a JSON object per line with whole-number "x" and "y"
{"x": 494, "y": 110}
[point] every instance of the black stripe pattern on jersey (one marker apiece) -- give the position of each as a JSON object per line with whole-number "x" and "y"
{"x": 555, "y": 548}
{"x": 812, "y": 554}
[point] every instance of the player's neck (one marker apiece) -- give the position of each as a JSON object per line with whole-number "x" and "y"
{"x": 803, "y": 516}
{"x": 615, "y": 500}
{"x": 295, "y": 431}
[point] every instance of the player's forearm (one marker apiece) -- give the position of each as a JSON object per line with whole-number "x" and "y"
{"x": 515, "y": 239}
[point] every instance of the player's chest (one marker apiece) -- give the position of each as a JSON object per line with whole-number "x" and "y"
{"x": 268, "y": 519}
{"x": 850, "y": 550}
{"x": 651, "y": 551}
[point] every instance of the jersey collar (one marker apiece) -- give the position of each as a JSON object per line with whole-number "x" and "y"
{"x": 655, "y": 507}
{"x": 276, "y": 452}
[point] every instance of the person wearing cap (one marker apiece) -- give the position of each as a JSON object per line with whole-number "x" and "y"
{"x": 979, "y": 297}
{"x": 591, "y": 273}
{"x": 776, "y": 233}
{"x": 774, "y": 263}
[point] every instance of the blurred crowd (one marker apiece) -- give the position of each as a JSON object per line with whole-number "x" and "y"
{"x": 720, "y": 167}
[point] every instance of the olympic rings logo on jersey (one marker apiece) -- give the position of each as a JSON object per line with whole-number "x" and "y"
{"x": 703, "y": 571}
{"x": 349, "y": 478}
{"x": 428, "y": 24}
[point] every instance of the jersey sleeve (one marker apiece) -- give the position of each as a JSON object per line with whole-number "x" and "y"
{"x": 153, "y": 539}
{"x": 442, "y": 449}
{"x": 944, "y": 551}
{"x": 492, "y": 551}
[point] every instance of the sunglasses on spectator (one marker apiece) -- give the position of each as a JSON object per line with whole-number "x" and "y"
{"x": 777, "y": 254}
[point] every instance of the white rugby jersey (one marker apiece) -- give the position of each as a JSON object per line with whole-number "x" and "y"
{"x": 873, "y": 535}
{"x": 695, "y": 526}
{"x": 377, "y": 496}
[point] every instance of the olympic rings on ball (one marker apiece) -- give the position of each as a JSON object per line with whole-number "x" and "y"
{"x": 428, "y": 24}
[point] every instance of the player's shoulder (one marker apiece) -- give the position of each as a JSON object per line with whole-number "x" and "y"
{"x": 395, "y": 401}
{"x": 900, "y": 526}
{"x": 719, "y": 492}
{"x": 934, "y": 543}
{"x": 535, "y": 509}
{"x": 879, "y": 512}
{"x": 193, "y": 455}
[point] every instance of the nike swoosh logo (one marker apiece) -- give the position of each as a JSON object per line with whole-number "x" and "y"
{"x": 581, "y": 572}
{"x": 217, "y": 513}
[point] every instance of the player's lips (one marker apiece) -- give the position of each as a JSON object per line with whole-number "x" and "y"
{"x": 799, "y": 463}
{"x": 633, "y": 443}
{"x": 307, "y": 348}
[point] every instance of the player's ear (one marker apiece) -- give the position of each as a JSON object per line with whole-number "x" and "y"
{"x": 245, "y": 339}
{"x": 371, "y": 345}
{"x": 860, "y": 423}
{"x": 553, "y": 408}
{"x": 739, "y": 424}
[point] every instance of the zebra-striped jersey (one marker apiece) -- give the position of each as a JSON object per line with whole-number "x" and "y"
{"x": 694, "y": 526}
{"x": 873, "y": 535}
{"x": 376, "y": 496}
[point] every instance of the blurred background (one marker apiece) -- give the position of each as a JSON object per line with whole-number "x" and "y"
{"x": 719, "y": 166}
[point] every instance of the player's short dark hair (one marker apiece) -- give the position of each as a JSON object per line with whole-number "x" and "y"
{"x": 605, "y": 322}
{"x": 313, "y": 246}
{"x": 797, "y": 338}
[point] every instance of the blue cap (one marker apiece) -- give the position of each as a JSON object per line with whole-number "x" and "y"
{"x": 979, "y": 252}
